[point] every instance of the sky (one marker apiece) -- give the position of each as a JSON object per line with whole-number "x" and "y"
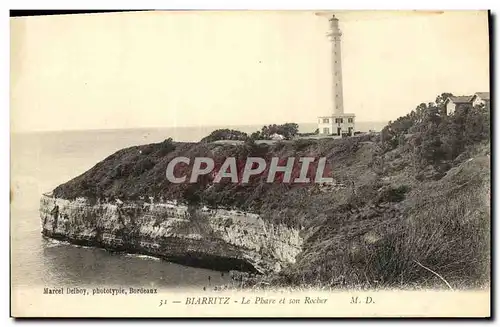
{"x": 167, "y": 69}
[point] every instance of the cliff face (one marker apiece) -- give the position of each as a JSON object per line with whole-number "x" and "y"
{"x": 217, "y": 239}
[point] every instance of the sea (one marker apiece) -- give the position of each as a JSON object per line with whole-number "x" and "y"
{"x": 42, "y": 160}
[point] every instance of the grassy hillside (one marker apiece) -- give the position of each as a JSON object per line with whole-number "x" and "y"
{"x": 423, "y": 221}
{"x": 140, "y": 171}
{"x": 415, "y": 209}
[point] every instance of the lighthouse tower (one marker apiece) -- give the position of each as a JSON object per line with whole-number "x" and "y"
{"x": 337, "y": 94}
{"x": 338, "y": 123}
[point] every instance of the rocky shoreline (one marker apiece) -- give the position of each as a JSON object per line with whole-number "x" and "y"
{"x": 219, "y": 239}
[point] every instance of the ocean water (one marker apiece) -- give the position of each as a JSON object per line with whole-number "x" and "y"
{"x": 40, "y": 162}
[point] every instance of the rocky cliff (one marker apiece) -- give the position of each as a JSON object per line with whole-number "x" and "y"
{"x": 217, "y": 239}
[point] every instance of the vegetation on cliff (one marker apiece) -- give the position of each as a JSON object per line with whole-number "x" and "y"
{"x": 424, "y": 220}
{"x": 225, "y": 134}
{"x": 287, "y": 130}
{"x": 410, "y": 207}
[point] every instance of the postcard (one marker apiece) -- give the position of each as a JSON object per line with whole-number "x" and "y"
{"x": 251, "y": 164}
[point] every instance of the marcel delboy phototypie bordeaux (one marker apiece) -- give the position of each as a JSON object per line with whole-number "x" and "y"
{"x": 347, "y": 200}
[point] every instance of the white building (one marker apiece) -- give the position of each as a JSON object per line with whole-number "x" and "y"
{"x": 338, "y": 122}
{"x": 478, "y": 98}
{"x": 452, "y": 102}
{"x": 277, "y": 137}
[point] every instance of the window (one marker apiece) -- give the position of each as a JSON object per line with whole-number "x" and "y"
{"x": 339, "y": 120}
{"x": 350, "y": 120}
{"x": 326, "y": 130}
{"x": 326, "y": 120}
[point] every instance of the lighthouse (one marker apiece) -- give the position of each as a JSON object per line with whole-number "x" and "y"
{"x": 337, "y": 123}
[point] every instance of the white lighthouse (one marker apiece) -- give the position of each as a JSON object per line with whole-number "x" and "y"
{"x": 338, "y": 123}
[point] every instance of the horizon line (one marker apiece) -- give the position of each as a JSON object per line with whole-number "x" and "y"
{"x": 166, "y": 127}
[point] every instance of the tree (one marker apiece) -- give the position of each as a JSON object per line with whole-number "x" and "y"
{"x": 225, "y": 134}
{"x": 432, "y": 116}
{"x": 453, "y": 138}
{"x": 440, "y": 99}
{"x": 287, "y": 130}
{"x": 256, "y": 136}
{"x": 477, "y": 124}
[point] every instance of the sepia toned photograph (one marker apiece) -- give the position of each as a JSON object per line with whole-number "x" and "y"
{"x": 250, "y": 164}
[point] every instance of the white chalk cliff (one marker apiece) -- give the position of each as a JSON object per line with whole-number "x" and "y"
{"x": 217, "y": 239}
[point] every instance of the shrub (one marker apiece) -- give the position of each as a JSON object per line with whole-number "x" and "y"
{"x": 302, "y": 144}
{"x": 396, "y": 194}
{"x": 142, "y": 166}
{"x": 166, "y": 147}
{"x": 225, "y": 134}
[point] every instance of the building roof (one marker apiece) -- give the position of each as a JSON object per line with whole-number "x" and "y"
{"x": 483, "y": 95}
{"x": 460, "y": 99}
{"x": 339, "y": 116}
{"x": 277, "y": 136}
